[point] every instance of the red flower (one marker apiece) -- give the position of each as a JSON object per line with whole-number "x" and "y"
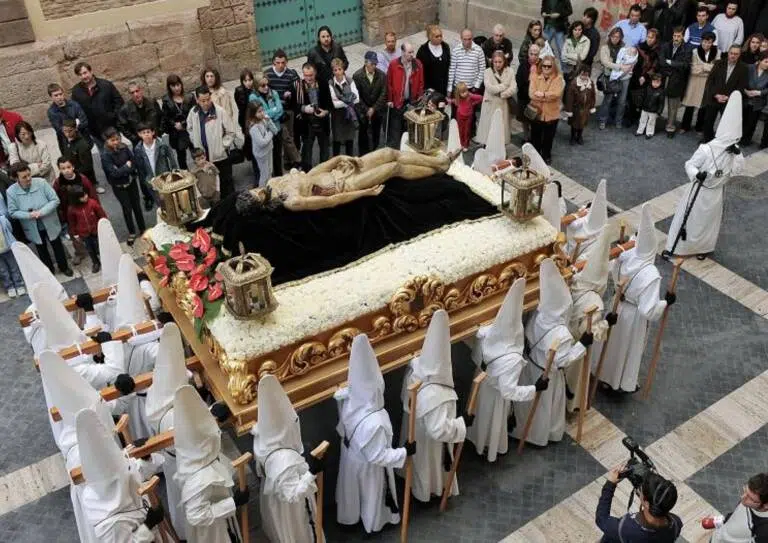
{"x": 179, "y": 251}
{"x": 217, "y": 275}
{"x": 198, "y": 282}
{"x": 201, "y": 240}
{"x": 210, "y": 257}
{"x": 161, "y": 265}
{"x": 186, "y": 264}
{"x": 197, "y": 307}
{"x": 164, "y": 281}
{"x": 215, "y": 292}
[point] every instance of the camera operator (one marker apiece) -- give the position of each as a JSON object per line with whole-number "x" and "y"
{"x": 654, "y": 522}
{"x": 749, "y": 521}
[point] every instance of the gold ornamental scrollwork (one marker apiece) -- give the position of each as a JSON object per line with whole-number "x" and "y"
{"x": 341, "y": 342}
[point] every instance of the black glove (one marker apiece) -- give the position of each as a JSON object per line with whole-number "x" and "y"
{"x": 734, "y": 149}
{"x": 701, "y": 176}
{"x": 148, "y": 203}
{"x": 141, "y": 276}
{"x": 220, "y": 411}
{"x": 670, "y": 298}
{"x": 587, "y": 339}
{"x": 241, "y": 496}
{"x": 125, "y": 384}
{"x": 541, "y": 384}
{"x": 84, "y": 301}
{"x": 469, "y": 420}
{"x": 612, "y": 318}
{"x": 410, "y": 448}
{"x": 102, "y": 337}
{"x": 140, "y": 443}
{"x": 164, "y": 317}
{"x": 98, "y": 358}
{"x": 316, "y": 465}
{"x": 155, "y": 516}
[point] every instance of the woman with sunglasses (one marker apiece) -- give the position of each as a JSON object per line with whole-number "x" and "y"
{"x": 545, "y": 91}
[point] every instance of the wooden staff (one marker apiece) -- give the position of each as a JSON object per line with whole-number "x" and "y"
{"x": 148, "y": 489}
{"x": 614, "y": 253}
{"x": 660, "y": 334}
{"x": 239, "y": 464}
{"x": 319, "y": 452}
{"x": 576, "y": 248}
{"x": 622, "y": 231}
{"x": 460, "y": 446}
{"x": 413, "y": 392}
{"x": 583, "y": 390}
{"x": 604, "y": 350}
{"x": 537, "y": 397}
{"x": 568, "y": 219}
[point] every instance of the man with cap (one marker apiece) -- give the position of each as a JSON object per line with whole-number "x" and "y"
{"x": 696, "y": 224}
{"x": 587, "y": 228}
{"x": 498, "y": 350}
{"x": 170, "y": 374}
{"x": 587, "y": 289}
{"x": 110, "y": 499}
{"x": 69, "y": 392}
{"x": 640, "y": 305}
{"x": 366, "y": 483}
{"x": 437, "y": 426}
{"x": 371, "y": 84}
{"x": 203, "y": 473}
{"x": 546, "y": 327}
{"x": 288, "y": 481}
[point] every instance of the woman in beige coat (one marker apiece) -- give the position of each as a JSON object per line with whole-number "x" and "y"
{"x": 499, "y": 87}
{"x": 32, "y": 151}
{"x": 702, "y": 61}
{"x": 222, "y": 97}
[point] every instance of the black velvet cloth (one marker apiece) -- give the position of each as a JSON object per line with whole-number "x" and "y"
{"x": 300, "y": 244}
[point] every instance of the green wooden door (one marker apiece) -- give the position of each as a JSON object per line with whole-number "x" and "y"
{"x": 292, "y": 25}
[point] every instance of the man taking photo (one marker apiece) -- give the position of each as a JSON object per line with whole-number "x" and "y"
{"x": 749, "y": 521}
{"x": 653, "y": 523}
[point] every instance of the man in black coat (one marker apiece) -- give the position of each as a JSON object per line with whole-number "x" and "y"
{"x": 669, "y": 15}
{"x": 498, "y": 42}
{"x": 371, "y": 85}
{"x": 729, "y": 74}
{"x": 136, "y": 111}
{"x": 99, "y": 99}
{"x": 675, "y": 65}
{"x": 313, "y": 105}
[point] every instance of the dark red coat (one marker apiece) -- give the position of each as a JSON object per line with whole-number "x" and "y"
{"x": 61, "y": 186}
{"x": 9, "y": 119}
{"x": 83, "y": 219}
{"x": 396, "y": 82}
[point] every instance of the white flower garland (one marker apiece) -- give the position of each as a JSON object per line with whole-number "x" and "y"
{"x": 328, "y": 300}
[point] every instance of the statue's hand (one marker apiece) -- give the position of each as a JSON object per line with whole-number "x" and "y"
{"x": 375, "y": 191}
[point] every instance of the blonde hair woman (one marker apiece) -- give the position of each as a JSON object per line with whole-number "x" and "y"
{"x": 500, "y": 86}
{"x": 545, "y": 91}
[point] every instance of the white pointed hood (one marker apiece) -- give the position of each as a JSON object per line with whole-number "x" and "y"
{"x": 729, "y": 129}
{"x": 454, "y": 139}
{"x": 130, "y": 300}
{"x": 550, "y": 206}
{"x": 61, "y": 330}
{"x": 433, "y": 365}
{"x": 594, "y": 275}
{"x": 506, "y": 334}
{"x": 110, "y": 253}
{"x": 366, "y": 384}
{"x": 598, "y": 212}
{"x": 536, "y": 163}
{"x": 554, "y": 297}
{"x": 278, "y": 425}
{"x": 170, "y": 373}
{"x": 33, "y": 271}
{"x": 110, "y": 484}
{"x": 197, "y": 438}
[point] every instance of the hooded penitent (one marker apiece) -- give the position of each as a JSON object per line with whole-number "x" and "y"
{"x": 506, "y": 334}
{"x": 61, "y": 331}
{"x": 594, "y": 276}
{"x": 197, "y": 438}
{"x": 170, "y": 373}
{"x": 550, "y": 206}
{"x": 130, "y": 300}
{"x": 366, "y": 384}
{"x": 111, "y": 485}
{"x": 535, "y": 162}
{"x": 644, "y": 252}
{"x": 110, "y": 253}
{"x": 278, "y": 424}
{"x": 433, "y": 365}
{"x": 33, "y": 271}
{"x": 598, "y": 212}
{"x": 554, "y": 299}
{"x": 729, "y": 129}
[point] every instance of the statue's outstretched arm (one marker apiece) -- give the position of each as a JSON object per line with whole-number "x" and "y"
{"x": 311, "y": 203}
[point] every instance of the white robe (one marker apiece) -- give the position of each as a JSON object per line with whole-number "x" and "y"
{"x": 576, "y": 229}
{"x": 549, "y": 421}
{"x": 140, "y": 355}
{"x": 640, "y": 306}
{"x": 206, "y": 497}
{"x": 497, "y": 390}
{"x": 577, "y": 325}
{"x": 287, "y": 500}
{"x": 364, "y": 465}
{"x": 703, "y": 225}
{"x": 173, "y": 490}
{"x": 437, "y": 427}
{"x": 126, "y": 527}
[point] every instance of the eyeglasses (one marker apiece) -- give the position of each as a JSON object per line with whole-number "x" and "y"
{"x": 546, "y": 65}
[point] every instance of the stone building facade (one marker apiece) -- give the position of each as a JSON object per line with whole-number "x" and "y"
{"x": 145, "y": 40}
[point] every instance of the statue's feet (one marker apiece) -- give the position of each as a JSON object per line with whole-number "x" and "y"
{"x": 453, "y": 155}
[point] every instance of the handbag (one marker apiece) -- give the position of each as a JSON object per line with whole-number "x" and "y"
{"x": 531, "y": 112}
{"x": 608, "y": 85}
{"x": 236, "y": 156}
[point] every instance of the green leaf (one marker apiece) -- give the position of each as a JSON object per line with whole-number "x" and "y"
{"x": 212, "y": 309}
{"x": 198, "y": 327}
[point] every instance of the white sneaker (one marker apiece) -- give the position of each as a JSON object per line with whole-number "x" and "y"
{"x": 21, "y": 291}
{"x": 11, "y": 292}
{"x": 100, "y": 190}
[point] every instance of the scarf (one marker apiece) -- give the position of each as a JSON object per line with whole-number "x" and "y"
{"x": 614, "y": 49}
{"x": 343, "y": 92}
{"x": 707, "y": 56}
{"x": 583, "y": 85}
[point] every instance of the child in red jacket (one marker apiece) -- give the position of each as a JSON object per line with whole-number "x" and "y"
{"x": 83, "y": 214}
{"x": 464, "y": 103}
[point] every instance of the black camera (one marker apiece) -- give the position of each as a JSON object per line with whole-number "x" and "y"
{"x": 638, "y": 466}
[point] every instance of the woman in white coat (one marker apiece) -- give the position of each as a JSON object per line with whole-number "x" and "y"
{"x": 639, "y": 307}
{"x": 709, "y": 169}
{"x": 366, "y": 484}
{"x": 500, "y": 86}
{"x": 288, "y": 486}
{"x": 498, "y": 350}
{"x": 546, "y": 327}
{"x": 437, "y": 426}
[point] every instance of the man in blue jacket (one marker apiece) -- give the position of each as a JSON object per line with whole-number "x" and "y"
{"x": 62, "y": 109}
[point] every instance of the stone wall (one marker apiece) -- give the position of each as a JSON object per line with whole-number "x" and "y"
{"x": 403, "y": 17}
{"x": 230, "y": 27}
{"x": 59, "y": 9}
{"x": 14, "y": 23}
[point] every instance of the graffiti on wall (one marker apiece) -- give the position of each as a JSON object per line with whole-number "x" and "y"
{"x": 611, "y": 11}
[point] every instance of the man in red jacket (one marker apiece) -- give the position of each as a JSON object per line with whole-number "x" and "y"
{"x": 8, "y": 121}
{"x": 405, "y": 85}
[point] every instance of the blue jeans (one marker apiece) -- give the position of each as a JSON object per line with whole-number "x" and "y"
{"x": 556, "y": 39}
{"x": 10, "y": 275}
{"x": 620, "y": 99}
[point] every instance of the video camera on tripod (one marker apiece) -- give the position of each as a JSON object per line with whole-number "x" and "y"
{"x": 637, "y": 467}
